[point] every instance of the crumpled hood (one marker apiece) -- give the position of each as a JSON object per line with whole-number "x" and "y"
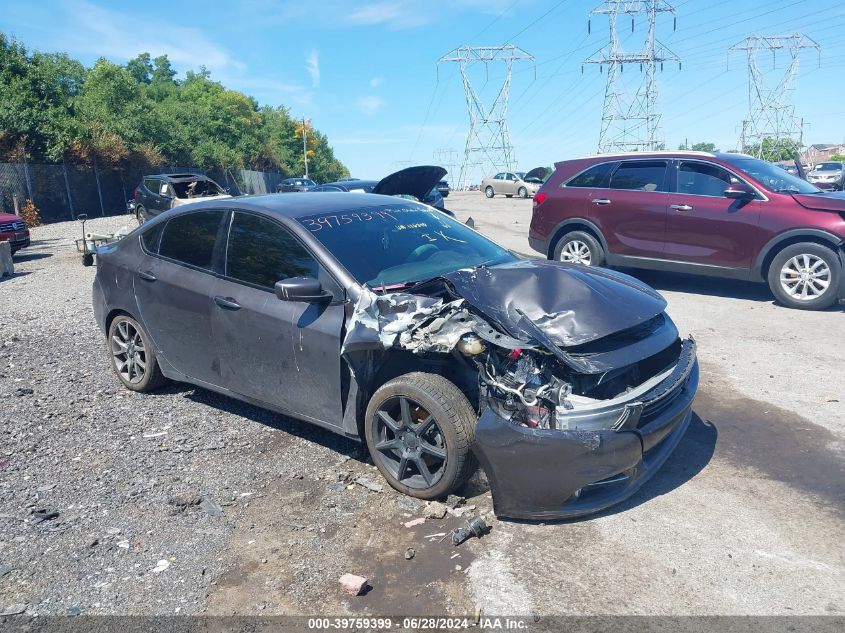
{"x": 571, "y": 304}
{"x": 822, "y": 201}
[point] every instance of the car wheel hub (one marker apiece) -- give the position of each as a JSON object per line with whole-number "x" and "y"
{"x": 576, "y": 252}
{"x": 805, "y": 277}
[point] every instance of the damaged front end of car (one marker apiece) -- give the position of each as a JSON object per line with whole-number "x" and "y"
{"x": 583, "y": 385}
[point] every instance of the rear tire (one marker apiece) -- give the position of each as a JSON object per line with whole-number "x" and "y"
{"x": 419, "y": 428}
{"x": 805, "y": 276}
{"x": 141, "y": 214}
{"x": 488, "y": 191}
{"x": 133, "y": 358}
{"x": 579, "y": 247}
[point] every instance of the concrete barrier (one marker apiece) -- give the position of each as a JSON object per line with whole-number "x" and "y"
{"x": 7, "y": 266}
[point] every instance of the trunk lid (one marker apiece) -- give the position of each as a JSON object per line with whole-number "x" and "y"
{"x": 412, "y": 181}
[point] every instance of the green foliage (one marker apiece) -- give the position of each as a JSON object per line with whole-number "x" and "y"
{"x": 839, "y": 158}
{"x": 699, "y": 147}
{"x": 774, "y": 149}
{"x": 52, "y": 108}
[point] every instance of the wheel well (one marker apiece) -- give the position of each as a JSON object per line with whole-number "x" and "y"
{"x": 111, "y": 316}
{"x": 795, "y": 239}
{"x": 570, "y": 228}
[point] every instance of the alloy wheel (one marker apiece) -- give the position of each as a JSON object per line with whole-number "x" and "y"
{"x": 805, "y": 277}
{"x": 489, "y": 192}
{"x": 409, "y": 442}
{"x": 576, "y": 252}
{"x": 130, "y": 355}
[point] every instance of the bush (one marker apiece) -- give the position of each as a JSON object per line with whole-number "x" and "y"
{"x": 30, "y": 214}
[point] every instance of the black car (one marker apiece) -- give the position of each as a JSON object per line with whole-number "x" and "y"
{"x": 289, "y": 185}
{"x": 443, "y": 188}
{"x": 161, "y": 192}
{"x": 389, "y": 322}
{"x": 419, "y": 183}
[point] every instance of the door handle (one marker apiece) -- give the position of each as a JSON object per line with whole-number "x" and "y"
{"x": 600, "y": 201}
{"x": 680, "y": 207}
{"x": 227, "y": 303}
{"x": 146, "y": 275}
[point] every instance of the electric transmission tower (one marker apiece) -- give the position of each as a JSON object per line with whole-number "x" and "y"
{"x": 772, "y": 131}
{"x": 447, "y": 158}
{"x": 631, "y": 123}
{"x": 488, "y": 141}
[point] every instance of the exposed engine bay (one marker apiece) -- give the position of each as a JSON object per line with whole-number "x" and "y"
{"x": 524, "y": 374}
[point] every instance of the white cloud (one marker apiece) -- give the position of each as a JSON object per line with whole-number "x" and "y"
{"x": 395, "y": 14}
{"x": 312, "y": 65}
{"x": 375, "y": 82}
{"x": 370, "y": 104}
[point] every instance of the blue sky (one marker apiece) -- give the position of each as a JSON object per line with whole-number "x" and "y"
{"x": 365, "y": 72}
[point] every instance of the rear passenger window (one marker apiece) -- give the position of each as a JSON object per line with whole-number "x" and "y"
{"x": 152, "y": 184}
{"x": 643, "y": 175}
{"x": 703, "y": 179}
{"x": 261, "y": 252}
{"x": 190, "y": 238}
{"x": 151, "y": 237}
{"x": 594, "y": 177}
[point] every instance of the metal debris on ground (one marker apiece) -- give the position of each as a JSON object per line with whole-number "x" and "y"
{"x": 352, "y": 584}
{"x": 474, "y": 527}
{"x": 211, "y": 508}
{"x": 369, "y": 485}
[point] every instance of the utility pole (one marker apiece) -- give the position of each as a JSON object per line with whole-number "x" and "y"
{"x": 772, "y": 130}
{"x": 488, "y": 140}
{"x": 631, "y": 123}
{"x": 305, "y": 144}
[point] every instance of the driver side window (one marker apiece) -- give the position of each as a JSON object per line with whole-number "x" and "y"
{"x": 703, "y": 179}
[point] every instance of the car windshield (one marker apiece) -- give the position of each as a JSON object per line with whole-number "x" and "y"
{"x": 400, "y": 244}
{"x": 829, "y": 167}
{"x": 772, "y": 177}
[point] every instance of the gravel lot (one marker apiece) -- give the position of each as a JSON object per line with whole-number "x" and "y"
{"x": 188, "y": 502}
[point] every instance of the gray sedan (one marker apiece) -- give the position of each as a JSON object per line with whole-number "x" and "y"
{"x": 389, "y": 322}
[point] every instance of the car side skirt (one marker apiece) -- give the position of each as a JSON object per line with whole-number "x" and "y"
{"x": 670, "y": 265}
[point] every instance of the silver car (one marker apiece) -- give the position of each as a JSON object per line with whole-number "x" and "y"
{"x": 829, "y": 175}
{"x": 510, "y": 183}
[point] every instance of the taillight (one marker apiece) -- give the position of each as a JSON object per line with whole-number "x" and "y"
{"x": 136, "y": 194}
{"x": 540, "y": 198}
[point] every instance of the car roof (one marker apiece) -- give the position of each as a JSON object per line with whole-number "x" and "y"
{"x": 302, "y": 204}
{"x": 662, "y": 154}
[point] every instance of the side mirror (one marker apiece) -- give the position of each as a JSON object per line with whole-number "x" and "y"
{"x": 305, "y": 289}
{"x": 82, "y": 217}
{"x": 738, "y": 191}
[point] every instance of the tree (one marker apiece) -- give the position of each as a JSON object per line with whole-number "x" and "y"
{"x": 774, "y": 149}
{"x": 699, "y": 147}
{"x": 839, "y": 158}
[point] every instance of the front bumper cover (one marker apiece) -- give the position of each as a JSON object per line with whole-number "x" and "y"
{"x": 545, "y": 474}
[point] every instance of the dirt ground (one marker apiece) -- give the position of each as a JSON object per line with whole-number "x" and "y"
{"x": 746, "y": 517}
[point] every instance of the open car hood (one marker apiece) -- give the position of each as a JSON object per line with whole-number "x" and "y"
{"x": 822, "y": 201}
{"x": 571, "y": 304}
{"x": 538, "y": 172}
{"x": 411, "y": 181}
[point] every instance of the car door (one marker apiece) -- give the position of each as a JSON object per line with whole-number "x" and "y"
{"x": 631, "y": 212}
{"x": 173, "y": 286}
{"x": 284, "y": 353}
{"x": 510, "y": 183}
{"x": 150, "y": 198}
{"x": 705, "y": 227}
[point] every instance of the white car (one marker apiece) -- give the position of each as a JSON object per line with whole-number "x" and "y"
{"x": 511, "y": 183}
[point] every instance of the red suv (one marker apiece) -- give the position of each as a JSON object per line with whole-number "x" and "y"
{"x": 14, "y": 231}
{"x": 726, "y": 215}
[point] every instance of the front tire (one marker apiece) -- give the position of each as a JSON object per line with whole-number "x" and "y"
{"x": 488, "y": 191}
{"x": 522, "y": 192}
{"x": 419, "y": 428}
{"x": 805, "y": 276}
{"x": 579, "y": 247}
{"x": 133, "y": 358}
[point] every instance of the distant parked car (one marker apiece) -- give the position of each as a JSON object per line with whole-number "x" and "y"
{"x": 14, "y": 231}
{"x": 161, "y": 192}
{"x": 289, "y": 185}
{"x": 724, "y": 215}
{"x": 443, "y": 188}
{"x": 829, "y": 176}
{"x": 417, "y": 182}
{"x": 510, "y": 183}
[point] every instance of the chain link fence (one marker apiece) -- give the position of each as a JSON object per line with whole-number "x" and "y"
{"x": 62, "y": 192}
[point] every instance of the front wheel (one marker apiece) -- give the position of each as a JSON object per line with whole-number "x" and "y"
{"x": 522, "y": 193}
{"x": 419, "y": 428}
{"x": 805, "y": 276}
{"x": 488, "y": 191}
{"x": 579, "y": 247}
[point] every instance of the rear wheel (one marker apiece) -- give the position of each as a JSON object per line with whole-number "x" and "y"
{"x": 133, "y": 357}
{"x": 579, "y": 247}
{"x": 141, "y": 214}
{"x": 805, "y": 276}
{"x": 522, "y": 192}
{"x": 419, "y": 428}
{"x": 488, "y": 191}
